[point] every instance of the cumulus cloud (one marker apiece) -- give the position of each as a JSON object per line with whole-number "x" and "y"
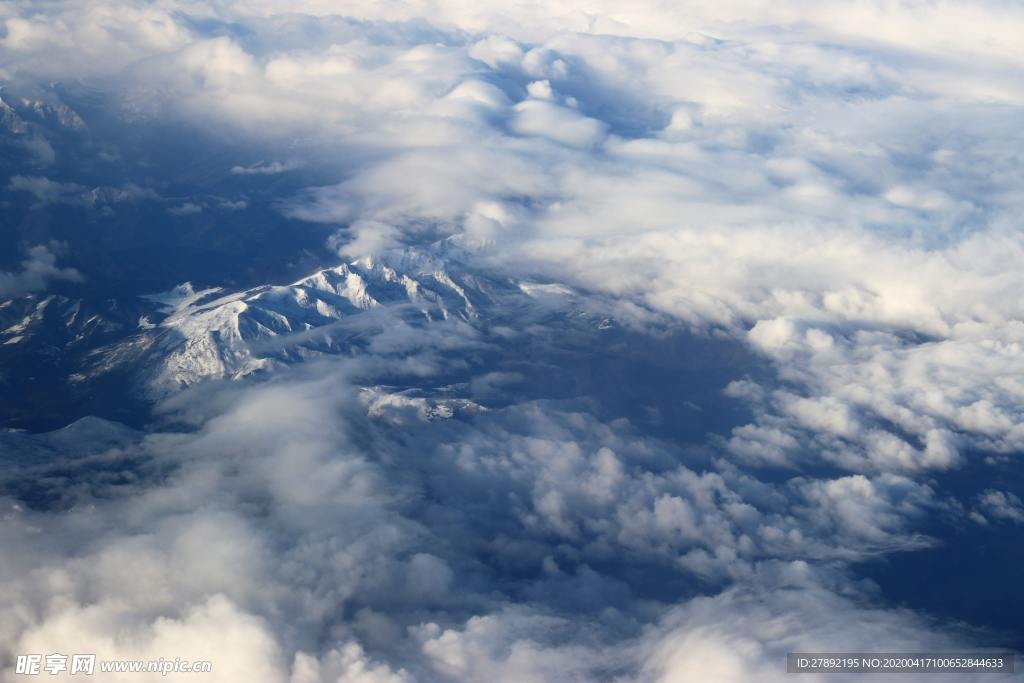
{"x": 37, "y": 270}
{"x": 741, "y": 636}
{"x": 42, "y": 43}
{"x": 998, "y": 505}
{"x": 288, "y": 538}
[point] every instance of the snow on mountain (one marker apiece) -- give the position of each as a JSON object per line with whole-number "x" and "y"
{"x": 403, "y": 407}
{"x": 17, "y": 113}
{"x": 141, "y": 348}
{"x": 58, "y": 321}
{"x": 10, "y": 121}
{"x": 55, "y": 111}
{"x": 213, "y": 334}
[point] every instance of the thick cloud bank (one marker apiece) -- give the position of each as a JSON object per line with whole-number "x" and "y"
{"x": 657, "y": 321}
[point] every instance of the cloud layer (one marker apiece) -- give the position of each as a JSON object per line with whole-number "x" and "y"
{"x": 833, "y": 189}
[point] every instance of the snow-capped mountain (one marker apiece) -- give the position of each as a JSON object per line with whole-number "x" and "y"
{"x": 18, "y": 113}
{"x": 10, "y": 121}
{"x": 181, "y": 337}
{"x": 58, "y": 320}
{"x": 214, "y": 334}
{"x": 146, "y": 347}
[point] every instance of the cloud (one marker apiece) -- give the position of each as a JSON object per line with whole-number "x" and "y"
{"x": 262, "y": 168}
{"x": 185, "y": 209}
{"x": 287, "y": 537}
{"x": 741, "y": 636}
{"x": 998, "y": 505}
{"x": 470, "y": 486}
{"x": 46, "y": 191}
{"x": 346, "y": 664}
{"x": 38, "y": 269}
{"x": 537, "y": 118}
{"x": 41, "y": 43}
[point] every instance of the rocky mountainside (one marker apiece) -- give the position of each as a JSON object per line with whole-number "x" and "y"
{"x": 149, "y": 346}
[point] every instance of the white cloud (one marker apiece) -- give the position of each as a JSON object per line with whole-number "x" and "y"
{"x": 289, "y": 538}
{"x": 835, "y": 187}
{"x": 262, "y": 168}
{"x": 46, "y": 191}
{"x": 741, "y": 636}
{"x": 346, "y": 664}
{"x": 540, "y": 119}
{"x": 185, "y": 209}
{"x": 38, "y": 269}
{"x": 999, "y": 505}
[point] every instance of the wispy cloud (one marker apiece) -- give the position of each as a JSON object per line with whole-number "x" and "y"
{"x": 263, "y": 168}
{"x": 37, "y": 270}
